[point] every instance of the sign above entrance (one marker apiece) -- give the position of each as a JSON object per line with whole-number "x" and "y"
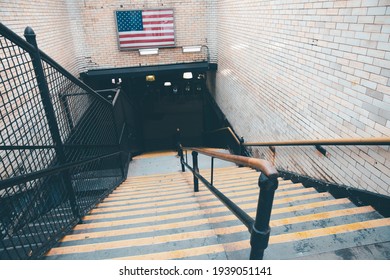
{"x": 139, "y": 29}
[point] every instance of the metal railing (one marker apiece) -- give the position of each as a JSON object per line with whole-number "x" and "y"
{"x": 225, "y": 137}
{"x": 268, "y": 183}
{"x": 62, "y": 148}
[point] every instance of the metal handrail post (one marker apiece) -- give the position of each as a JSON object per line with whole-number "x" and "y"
{"x": 181, "y": 155}
{"x": 196, "y": 170}
{"x": 212, "y": 171}
{"x": 261, "y": 230}
{"x": 30, "y": 36}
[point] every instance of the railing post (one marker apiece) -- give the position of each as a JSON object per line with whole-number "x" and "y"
{"x": 30, "y": 36}
{"x": 261, "y": 230}
{"x": 196, "y": 170}
{"x": 212, "y": 171}
{"x": 241, "y": 147}
{"x": 180, "y": 153}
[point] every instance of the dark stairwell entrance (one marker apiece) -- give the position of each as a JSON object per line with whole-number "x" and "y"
{"x": 160, "y": 100}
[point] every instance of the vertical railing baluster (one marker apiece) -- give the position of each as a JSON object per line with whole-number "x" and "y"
{"x": 212, "y": 171}
{"x": 196, "y": 170}
{"x": 30, "y": 36}
{"x": 180, "y": 153}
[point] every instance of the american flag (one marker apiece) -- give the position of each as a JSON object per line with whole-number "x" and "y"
{"x": 145, "y": 29}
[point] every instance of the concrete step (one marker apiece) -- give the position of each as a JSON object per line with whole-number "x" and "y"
{"x": 160, "y": 217}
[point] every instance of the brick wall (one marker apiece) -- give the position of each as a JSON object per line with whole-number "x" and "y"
{"x": 303, "y": 69}
{"x": 82, "y": 35}
{"x": 56, "y": 23}
{"x": 191, "y": 28}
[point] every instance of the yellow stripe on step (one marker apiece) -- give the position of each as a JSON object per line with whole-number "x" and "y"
{"x": 178, "y": 254}
{"x": 130, "y": 242}
{"x": 213, "y": 220}
{"x": 204, "y": 204}
{"x": 138, "y": 220}
{"x": 144, "y": 229}
{"x": 295, "y": 236}
{"x": 241, "y": 245}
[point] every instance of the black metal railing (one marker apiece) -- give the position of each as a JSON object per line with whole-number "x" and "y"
{"x": 62, "y": 148}
{"x": 225, "y": 138}
{"x": 268, "y": 183}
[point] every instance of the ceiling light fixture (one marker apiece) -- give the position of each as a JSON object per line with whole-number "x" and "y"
{"x": 187, "y": 75}
{"x": 190, "y": 49}
{"x": 148, "y": 51}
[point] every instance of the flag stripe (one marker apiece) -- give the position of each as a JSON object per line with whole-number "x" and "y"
{"x": 161, "y": 20}
{"x": 152, "y": 34}
{"x": 148, "y": 44}
{"x": 155, "y": 28}
{"x": 151, "y": 31}
{"x": 157, "y": 12}
{"x": 145, "y": 39}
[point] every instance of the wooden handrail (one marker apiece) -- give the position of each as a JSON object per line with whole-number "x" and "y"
{"x": 325, "y": 142}
{"x": 264, "y": 166}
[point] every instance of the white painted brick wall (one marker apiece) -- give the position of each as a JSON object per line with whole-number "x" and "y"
{"x": 82, "y": 35}
{"x": 309, "y": 70}
{"x": 56, "y": 24}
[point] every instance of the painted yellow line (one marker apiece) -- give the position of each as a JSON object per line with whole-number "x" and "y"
{"x": 144, "y": 184}
{"x": 132, "y": 242}
{"x": 95, "y": 225}
{"x": 240, "y": 245}
{"x": 276, "y": 201}
{"x": 162, "y": 189}
{"x": 147, "y": 180}
{"x": 178, "y": 254}
{"x": 155, "y": 176}
{"x": 126, "y": 213}
{"x": 149, "y": 219}
{"x": 143, "y": 200}
{"x": 155, "y": 154}
{"x": 322, "y": 216}
{"x": 147, "y": 197}
{"x": 296, "y": 236}
{"x": 144, "y": 229}
{"x": 154, "y": 205}
{"x": 201, "y": 197}
{"x": 187, "y": 187}
{"x": 229, "y": 217}
{"x": 256, "y": 192}
{"x": 204, "y": 204}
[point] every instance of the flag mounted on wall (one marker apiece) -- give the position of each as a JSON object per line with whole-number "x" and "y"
{"x": 138, "y": 29}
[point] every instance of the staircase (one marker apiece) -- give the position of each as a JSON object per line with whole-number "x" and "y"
{"x": 159, "y": 216}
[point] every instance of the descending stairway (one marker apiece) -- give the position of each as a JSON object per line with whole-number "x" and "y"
{"x": 160, "y": 217}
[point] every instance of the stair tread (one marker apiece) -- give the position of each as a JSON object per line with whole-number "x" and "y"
{"x": 148, "y": 211}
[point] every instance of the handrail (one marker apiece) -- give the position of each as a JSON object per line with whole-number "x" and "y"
{"x": 9, "y": 34}
{"x": 268, "y": 183}
{"x": 229, "y": 130}
{"x": 49, "y": 171}
{"x": 325, "y": 142}
{"x": 262, "y": 165}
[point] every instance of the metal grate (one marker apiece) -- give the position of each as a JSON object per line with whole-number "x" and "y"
{"x": 48, "y": 181}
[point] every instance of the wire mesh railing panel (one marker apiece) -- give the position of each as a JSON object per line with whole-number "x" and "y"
{"x": 83, "y": 119}
{"x": 59, "y": 149}
{"x": 32, "y": 214}
{"x": 94, "y": 181}
{"x": 36, "y": 213}
{"x": 22, "y": 117}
